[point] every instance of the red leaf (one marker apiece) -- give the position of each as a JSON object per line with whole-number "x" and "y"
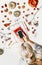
{"x": 7, "y": 24}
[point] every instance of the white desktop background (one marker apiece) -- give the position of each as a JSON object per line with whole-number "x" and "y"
{"x": 11, "y": 55}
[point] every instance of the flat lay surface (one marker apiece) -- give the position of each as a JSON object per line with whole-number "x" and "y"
{"x": 18, "y": 15}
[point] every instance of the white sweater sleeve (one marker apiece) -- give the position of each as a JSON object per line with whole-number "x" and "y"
{"x": 37, "y": 48}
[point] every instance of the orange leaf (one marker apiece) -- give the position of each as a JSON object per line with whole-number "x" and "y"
{"x": 7, "y": 24}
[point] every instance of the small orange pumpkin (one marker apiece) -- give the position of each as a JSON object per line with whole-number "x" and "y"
{"x": 33, "y": 3}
